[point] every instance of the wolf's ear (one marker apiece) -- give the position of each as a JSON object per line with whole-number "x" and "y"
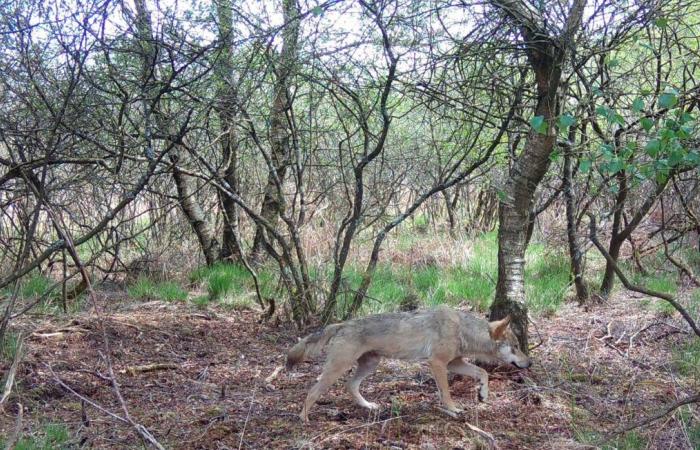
{"x": 498, "y": 327}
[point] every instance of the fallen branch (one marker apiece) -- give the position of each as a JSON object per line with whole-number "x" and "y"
{"x": 484, "y": 434}
{"x": 633, "y": 287}
{"x": 14, "y": 437}
{"x": 274, "y": 374}
{"x": 669, "y": 409}
{"x": 10, "y": 380}
{"x": 140, "y": 429}
{"x": 135, "y": 370}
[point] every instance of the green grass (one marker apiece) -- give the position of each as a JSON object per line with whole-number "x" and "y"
{"x": 232, "y": 285}
{"x": 658, "y": 281}
{"x": 51, "y": 437}
{"x": 34, "y": 286}
{"x": 628, "y": 441}
{"x": 9, "y": 346}
{"x": 687, "y": 359}
{"x": 547, "y": 278}
{"x": 691, "y": 424}
{"x": 147, "y": 289}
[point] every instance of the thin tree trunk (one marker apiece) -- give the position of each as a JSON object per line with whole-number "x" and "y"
{"x": 186, "y": 198}
{"x": 280, "y": 132}
{"x": 575, "y": 253}
{"x": 619, "y": 236}
{"x": 195, "y": 215}
{"x": 226, "y": 107}
{"x": 546, "y": 58}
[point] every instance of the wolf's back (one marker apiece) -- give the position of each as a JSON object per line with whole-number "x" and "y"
{"x": 311, "y": 345}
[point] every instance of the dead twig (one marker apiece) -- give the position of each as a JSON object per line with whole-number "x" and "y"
{"x": 10, "y": 380}
{"x": 140, "y": 429}
{"x": 669, "y": 409}
{"x": 135, "y": 370}
{"x": 274, "y": 374}
{"x": 484, "y": 434}
{"x": 14, "y": 437}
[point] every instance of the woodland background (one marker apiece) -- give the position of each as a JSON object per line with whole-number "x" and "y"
{"x": 187, "y": 186}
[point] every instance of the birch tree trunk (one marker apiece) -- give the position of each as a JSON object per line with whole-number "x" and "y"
{"x": 546, "y": 55}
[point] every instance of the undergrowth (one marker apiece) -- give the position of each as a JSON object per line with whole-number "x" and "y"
{"x": 51, "y": 437}
{"x": 147, "y": 289}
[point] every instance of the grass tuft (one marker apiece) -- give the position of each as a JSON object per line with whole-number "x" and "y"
{"x": 51, "y": 437}
{"x": 147, "y": 289}
{"x": 9, "y": 345}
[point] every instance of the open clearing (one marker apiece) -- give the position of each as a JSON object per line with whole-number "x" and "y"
{"x": 594, "y": 371}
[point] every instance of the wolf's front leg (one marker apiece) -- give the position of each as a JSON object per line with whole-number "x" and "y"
{"x": 439, "y": 370}
{"x": 365, "y": 366}
{"x": 460, "y": 366}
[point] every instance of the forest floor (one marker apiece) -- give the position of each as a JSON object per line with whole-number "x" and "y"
{"x": 594, "y": 371}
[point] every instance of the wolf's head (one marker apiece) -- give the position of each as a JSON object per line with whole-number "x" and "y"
{"x": 507, "y": 347}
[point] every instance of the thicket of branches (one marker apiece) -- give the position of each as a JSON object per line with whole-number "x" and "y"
{"x": 285, "y": 132}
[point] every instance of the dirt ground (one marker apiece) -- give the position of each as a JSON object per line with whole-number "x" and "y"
{"x": 594, "y": 371}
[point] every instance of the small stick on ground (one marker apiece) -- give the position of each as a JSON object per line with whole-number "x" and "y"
{"x": 653, "y": 418}
{"x": 274, "y": 374}
{"x": 135, "y": 370}
{"x": 14, "y": 437}
{"x": 10, "y": 380}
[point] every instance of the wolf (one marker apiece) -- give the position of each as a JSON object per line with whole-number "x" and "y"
{"x": 442, "y": 336}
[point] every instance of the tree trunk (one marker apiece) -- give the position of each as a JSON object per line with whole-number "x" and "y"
{"x": 575, "y": 254}
{"x": 546, "y": 57}
{"x": 620, "y": 235}
{"x": 280, "y": 127}
{"x": 226, "y": 108}
{"x": 195, "y": 215}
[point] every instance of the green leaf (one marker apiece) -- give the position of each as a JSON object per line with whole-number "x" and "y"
{"x": 668, "y": 100}
{"x": 585, "y": 165}
{"x": 538, "y": 124}
{"x": 616, "y": 118}
{"x": 661, "y": 22}
{"x": 647, "y": 123}
{"x": 615, "y": 166}
{"x": 554, "y": 156}
{"x": 638, "y": 105}
{"x": 602, "y": 111}
{"x": 566, "y": 120}
{"x": 317, "y": 11}
{"x": 653, "y": 147}
{"x": 693, "y": 158}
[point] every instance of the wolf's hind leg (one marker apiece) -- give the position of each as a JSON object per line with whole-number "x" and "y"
{"x": 366, "y": 364}
{"x": 439, "y": 370}
{"x": 458, "y": 365}
{"x": 332, "y": 370}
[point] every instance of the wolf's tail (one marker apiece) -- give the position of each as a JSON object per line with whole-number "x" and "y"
{"x": 311, "y": 345}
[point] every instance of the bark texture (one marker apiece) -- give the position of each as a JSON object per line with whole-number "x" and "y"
{"x": 546, "y": 55}
{"x": 227, "y": 110}
{"x": 280, "y": 126}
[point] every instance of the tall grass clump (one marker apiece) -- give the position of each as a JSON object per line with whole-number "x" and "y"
{"x": 147, "y": 289}
{"x": 547, "y": 278}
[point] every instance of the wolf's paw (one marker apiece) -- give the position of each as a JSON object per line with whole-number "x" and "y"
{"x": 371, "y": 405}
{"x": 483, "y": 395}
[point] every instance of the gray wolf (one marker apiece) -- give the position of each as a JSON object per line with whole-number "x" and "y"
{"x": 443, "y": 336}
